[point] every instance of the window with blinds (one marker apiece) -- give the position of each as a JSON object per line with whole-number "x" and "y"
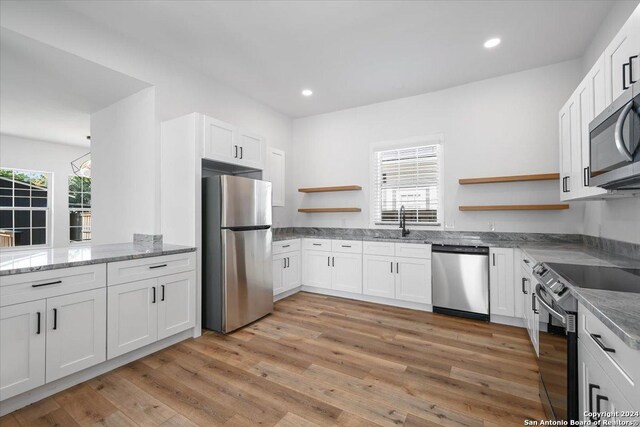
{"x": 408, "y": 177}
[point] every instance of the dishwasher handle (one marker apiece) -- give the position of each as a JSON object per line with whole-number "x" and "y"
{"x": 454, "y": 249}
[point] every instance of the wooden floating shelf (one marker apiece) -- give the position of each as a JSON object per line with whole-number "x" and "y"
{"x": 322, "y": 210}
{"x": 553, "y": 207}
{"x": 329, "y": 189}
{"x": 514, "y": 178}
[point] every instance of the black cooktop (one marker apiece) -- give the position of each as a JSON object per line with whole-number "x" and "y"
{"x": 595, "y": 277}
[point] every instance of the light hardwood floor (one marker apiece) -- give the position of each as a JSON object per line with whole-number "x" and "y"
{"x": 317, "y": 361}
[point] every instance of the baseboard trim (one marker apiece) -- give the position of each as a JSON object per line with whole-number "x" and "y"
{"x": 20, "y": 401}
{"x": 506, "y": 320}
{"x": 286, "y": 294}
{"x": 368, "y": 298}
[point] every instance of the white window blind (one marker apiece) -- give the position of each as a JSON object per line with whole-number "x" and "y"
{"x": 407, "y": 177}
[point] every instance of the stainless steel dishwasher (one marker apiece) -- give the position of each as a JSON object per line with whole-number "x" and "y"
{"x": 460, "y": 281}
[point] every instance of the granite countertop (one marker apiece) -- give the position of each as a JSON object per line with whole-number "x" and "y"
{"x": 29, "y": 260}
{"x": 620, "y": 311}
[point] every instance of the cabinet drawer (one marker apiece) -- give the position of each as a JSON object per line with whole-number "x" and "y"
{"x": 147, "y": 268}
{"x": 285, "y": 246}
{"x": 347, "y": 246}
{"x": 622, "y": 365}
{"x": 379, "y": 248}
{"x": 24, "y": 287}
{"x": 317, "y": 244}
{"x": 413, "y": 250}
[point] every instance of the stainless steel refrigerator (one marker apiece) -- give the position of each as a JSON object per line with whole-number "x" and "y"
{"x": 237, "y": 286}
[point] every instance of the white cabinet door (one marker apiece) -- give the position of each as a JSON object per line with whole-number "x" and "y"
{"x": 291, "y": 273}
{"x": 501, "y": 282}
{"x": 316, "y": 269}
{"x": 598, "y": 393}
{"x": 624, "y": 45}
{"x": 176, "y": 303}
{"x": 76, "y": 332}
{"x": 590, "y": 95}
{"x": 250, "y": 150}
{"x": 346, "y": 272}
{"x": 413, "y": 280}
{"x": 277, "y": 271}
{"x": 22, "y": 347}
{"x": 378, "y": 276}
{"x": 220, "y": 141}
{"x": 275, "y": 173}
{"x": 535, "y": 319}
{"x": 132, "y": 316}
{"x": 568, "y": 143}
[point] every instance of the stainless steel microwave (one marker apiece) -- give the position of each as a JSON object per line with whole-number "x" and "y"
{"x": 614, "y": 140}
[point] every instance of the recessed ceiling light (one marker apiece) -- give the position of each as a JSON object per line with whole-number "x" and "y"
{"x": 307, "y": 92}
{"x": 492, "y": 43}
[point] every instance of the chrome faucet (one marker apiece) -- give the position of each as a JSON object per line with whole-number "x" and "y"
{"x": 403, "y": 221}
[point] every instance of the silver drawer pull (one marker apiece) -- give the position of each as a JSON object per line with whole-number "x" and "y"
{"x": 157, "y": 266}
{"x": 597, "y": 339}
{"x": 57, "y": 282}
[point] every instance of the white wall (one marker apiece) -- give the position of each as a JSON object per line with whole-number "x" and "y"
{"x": 30, "y": 154}
{"x": 179, "y": 90}
{"x": 613, "y": 219}
{"x": 125, "y": 176}
{"x": 501, "y": 126}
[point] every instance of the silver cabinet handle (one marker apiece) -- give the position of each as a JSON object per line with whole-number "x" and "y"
{"x": 620, "y": 145}
{"x": 533, "y": 303}
{"x": 524, "y": 291}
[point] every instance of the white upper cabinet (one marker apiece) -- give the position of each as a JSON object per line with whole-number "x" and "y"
{"x": 590, "y": 101}
{"x": 250, "y": 150}
{"x": 226, "y": 143}
{"x": 501, "y": 282}
{"x": 219, "y": 141}
{"x": 567, "y": 134}
{"x": 603, "y": 84}
{"x": 622, "y": 49}
{"x": 22, "y": 347}
{"x": 275, "y": 173}
{"x": 76, "y": 332}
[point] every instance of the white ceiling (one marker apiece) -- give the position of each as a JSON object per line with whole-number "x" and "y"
{"x": 351, "y": 52}
{"x": 48, "y": 94}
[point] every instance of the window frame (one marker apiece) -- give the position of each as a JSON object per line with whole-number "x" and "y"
{"x": 48, "y": 212}
{"x": 81, "y": 209}
{"x": 412, "y": 142}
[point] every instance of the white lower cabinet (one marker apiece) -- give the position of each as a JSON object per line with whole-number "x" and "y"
{"x": 132, "y": 317}
{"x": 346, "y": 272}
{"x": 286, "y": 272}
{"x": 598, "y": 393}
{"x": 22, "y": 347}
{"x": 379, "y": 279}
{"x": 317, "y": 269}
{"x": 177, "y": 304}
{"x": 145, "y": 311}
{"x": 404, "y": 278}
{"x": 76, "y": 332}
{"x": 413, "y": 276}
{"x": 501, "y": 282}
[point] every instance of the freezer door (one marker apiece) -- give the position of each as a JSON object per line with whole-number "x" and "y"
{"x": 247, "y": 280}
{"x": 461, "y": 282}
{"x": 245, "y": 202}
